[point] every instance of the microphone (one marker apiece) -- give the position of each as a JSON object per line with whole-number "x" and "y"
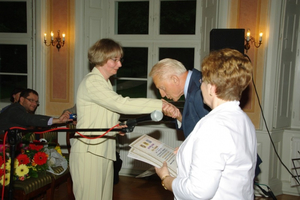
{"x": 155, "y": 116}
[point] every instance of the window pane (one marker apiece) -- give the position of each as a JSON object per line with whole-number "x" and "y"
{"x": 178, "y": 17}
{"x": 132, "y": 89}
{"x": 8, "y": 83}
{"x": 184, "y": 55}
{"x": 135, "y": 62}
{"x": 13, "y": 18}
{"x": 134, "y": 66}
{"x": 13, "y": 58}
{"x": 133, "y": 17}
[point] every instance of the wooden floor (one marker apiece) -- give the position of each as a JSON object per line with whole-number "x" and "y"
{"x": 130, "y": 188}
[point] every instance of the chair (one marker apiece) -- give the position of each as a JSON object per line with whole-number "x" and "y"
{"x": 66, "y": 176}
{"x": 33, "y": 187}
{"x": 57, "y": 180}
{"x": 45, "y": 183}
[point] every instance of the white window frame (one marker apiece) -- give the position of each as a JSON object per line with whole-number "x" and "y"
{"x": 153, "y": 41}
{"x": 22, "y": 39}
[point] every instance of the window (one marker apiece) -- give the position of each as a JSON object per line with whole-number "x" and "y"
{"x": 132, "y": 17}
{"x": 150, "y": 31}
{"x": 13, "y": 17}
{"x": 15, "y": 47}
{"x": 132, "y": 77}
{"x": 177, "y": 17}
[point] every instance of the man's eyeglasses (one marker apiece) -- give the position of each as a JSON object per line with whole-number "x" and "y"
{"x": 33, "y": 101}
{"x": 116, "y": 60}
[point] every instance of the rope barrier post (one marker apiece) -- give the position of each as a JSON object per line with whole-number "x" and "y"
{"x": 14, "y": 137}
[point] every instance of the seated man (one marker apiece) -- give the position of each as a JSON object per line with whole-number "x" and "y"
{"x": 20, "y": 114}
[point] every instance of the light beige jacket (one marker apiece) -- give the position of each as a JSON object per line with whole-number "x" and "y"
{"x": 98, "y": 106}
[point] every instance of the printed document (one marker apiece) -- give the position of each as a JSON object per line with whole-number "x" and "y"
{"x": 153, "y": 152}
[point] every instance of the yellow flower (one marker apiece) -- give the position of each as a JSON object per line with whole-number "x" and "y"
{"x": 58, "y": 149}
{"x": 16, "y": 163}
{"x": 7, "y": 179}
{"x": 22, "y": 170}
{"x": 7, "y": 165}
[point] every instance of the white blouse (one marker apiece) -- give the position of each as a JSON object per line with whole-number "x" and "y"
{"x": 218, "y": 159}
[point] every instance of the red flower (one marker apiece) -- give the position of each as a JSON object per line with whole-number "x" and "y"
{"x": 23, "y": 159}
{"x": 40, "y": 158}
{"x": 35, "y": 147}
{"x": 1, "y": 161}
{"x": 2, "y": 172}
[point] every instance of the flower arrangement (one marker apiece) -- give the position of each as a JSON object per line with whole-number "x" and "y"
{"x": 3, "y": 162}
{"x": 31, "y": 160}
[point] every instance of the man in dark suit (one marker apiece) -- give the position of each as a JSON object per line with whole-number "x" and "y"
{"x": 21, "y": 114}
{"x": 173, "y": 80}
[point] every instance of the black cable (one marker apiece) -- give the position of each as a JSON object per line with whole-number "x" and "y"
{"x": 268, "y": 193}
{"x": 263, "y": 116}
{"x": 273, "y": 145}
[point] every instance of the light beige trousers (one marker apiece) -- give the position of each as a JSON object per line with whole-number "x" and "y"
{"x": 92, "y": 176}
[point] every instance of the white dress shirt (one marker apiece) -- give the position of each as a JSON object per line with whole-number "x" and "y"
{"x": 218, "y": 159}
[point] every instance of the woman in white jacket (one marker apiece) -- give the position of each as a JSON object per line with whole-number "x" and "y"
{"x": 218, "y": 159}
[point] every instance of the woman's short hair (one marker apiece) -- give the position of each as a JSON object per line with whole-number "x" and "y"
{"x": 229, "y": 70}
{"x": 167, "y": 67}
{"x": 103, "y": 50}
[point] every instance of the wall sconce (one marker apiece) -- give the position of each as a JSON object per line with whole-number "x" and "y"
{"x": 251, "y": 39}
{"x": 56, "y": 41}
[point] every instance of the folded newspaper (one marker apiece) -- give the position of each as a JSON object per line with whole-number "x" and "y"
{"x": 153, "y": 152}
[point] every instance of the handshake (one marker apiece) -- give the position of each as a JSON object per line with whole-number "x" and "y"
{"x": 171, "y": 111}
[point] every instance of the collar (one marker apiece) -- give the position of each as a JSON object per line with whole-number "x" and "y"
{"x": 187, "y": 82}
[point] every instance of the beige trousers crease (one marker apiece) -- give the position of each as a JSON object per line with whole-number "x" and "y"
{"x": 92, "y": 176}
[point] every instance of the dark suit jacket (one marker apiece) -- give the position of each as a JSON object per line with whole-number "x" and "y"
{"x": 194, "y": 108}
{"x": 17, "y": 116}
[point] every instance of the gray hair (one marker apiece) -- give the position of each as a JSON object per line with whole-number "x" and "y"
{"x": 167, "y": 67}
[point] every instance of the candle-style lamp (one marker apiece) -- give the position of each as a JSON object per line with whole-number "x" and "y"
{"x": 249, "y": 39}
{"x": 55, "y": 41}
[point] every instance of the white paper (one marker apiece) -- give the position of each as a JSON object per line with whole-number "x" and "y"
{"x": 153, "y": 152}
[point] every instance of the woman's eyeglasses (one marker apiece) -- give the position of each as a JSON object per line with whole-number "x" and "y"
{"x": 116, "y": 60}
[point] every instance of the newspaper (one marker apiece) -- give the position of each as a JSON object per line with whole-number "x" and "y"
{"x": 153, "y": 152}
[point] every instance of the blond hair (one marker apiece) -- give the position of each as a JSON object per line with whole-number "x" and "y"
{"x": 103, "y": 50}
{"x": 229, "y": 70}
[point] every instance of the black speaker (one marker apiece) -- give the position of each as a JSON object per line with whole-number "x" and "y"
{"x": 227, "y": 38}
